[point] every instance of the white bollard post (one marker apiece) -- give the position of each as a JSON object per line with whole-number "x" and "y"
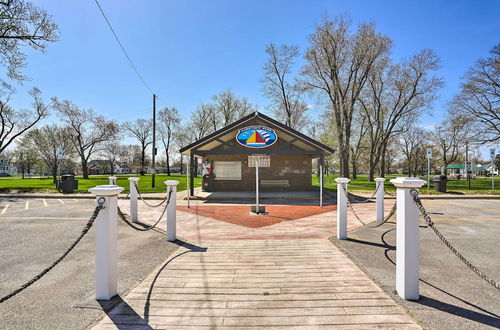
{"x": 106, "y": 262}
{"x": 171, "y": 211}
{"x": 112, "y": 180}
{"x": 133, "y": 198}
{"x": 407, "y": 238}
{"x": 342, "y": 207}
{"x": 380, "y": 199}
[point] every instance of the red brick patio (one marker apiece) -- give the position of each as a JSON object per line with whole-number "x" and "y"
{"x": 240, "y": 215}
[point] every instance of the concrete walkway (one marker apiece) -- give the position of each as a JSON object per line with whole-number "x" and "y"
{"x": 300, "y": 284}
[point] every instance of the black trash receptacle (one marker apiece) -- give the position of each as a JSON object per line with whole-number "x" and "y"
{"x": 67, "y": 183}
{"x": 440, "y": 183}
{"x": 206, "y": 183}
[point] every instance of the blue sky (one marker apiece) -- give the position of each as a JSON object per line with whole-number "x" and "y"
{"x": 189, "y": 50}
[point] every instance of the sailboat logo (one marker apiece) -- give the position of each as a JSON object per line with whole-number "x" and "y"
{"x": 256, "y": 136}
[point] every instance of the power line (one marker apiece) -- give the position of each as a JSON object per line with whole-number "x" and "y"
{"x": 125, "y": 52}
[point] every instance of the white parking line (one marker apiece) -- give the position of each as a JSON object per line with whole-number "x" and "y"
{"x": 27, "y": 206}
{"x": 60, "y": 201}
{"x": 44, "y": 202}
{"x": 5, "y": 208}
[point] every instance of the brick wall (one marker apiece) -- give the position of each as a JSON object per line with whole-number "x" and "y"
{"x": 297, "y": 169}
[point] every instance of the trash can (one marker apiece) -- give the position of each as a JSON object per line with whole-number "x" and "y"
{"x": 440, "y": 183}
{"x": 68, "y": 183}
{"x": 206, "y": 184}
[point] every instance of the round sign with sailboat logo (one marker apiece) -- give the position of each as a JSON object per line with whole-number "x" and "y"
{"x": 256, "y": 137}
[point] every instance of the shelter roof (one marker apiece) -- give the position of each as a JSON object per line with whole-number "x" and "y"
{"x": 286, "y": 134}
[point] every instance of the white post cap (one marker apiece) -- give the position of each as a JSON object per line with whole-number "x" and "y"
{"x": 403, "y": 182}
{"x": 106, "y": 190}
{"x": 342, "y": 180}
{"x": 171, "y": 182}
{"x": 380, "y": 179}
{"x": 133, "y": 179}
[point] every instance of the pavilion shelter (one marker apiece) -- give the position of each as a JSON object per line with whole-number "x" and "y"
{"x": 225, "y": 156}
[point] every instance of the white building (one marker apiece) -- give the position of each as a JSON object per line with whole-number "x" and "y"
{"x": 6, "y": 168}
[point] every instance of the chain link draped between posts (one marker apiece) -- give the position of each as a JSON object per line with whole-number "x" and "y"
{"x": 430, "y": 223}
{"x": 144, "y": 201}
{"x": 123, "y": 216}
{"x": 85, "y": 230}
{"x": 369, "y": 198}
{"x": 391, "y": 213}
{"x": 388, "y": 193}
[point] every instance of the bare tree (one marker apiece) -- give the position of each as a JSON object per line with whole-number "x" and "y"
{"x": 114, "y": 152}
{"x": 48, "y": 141}
{"x": 227, "y": 108}
{"x": 142, "y": 130}
{"x": 14, "y": 123}
{"x": 169, "y": 123}
{"x": 201, "y": 121}
{"x": 132, "y": 157}
{"x": 338, "y": 64}
{"x": 479, "y": 97}
{"x": 395, "y": 97}
{"x": 25, "y": 158}
{"x": 22, "y": 22}
{"x": 357, "y": 144}
{"x": 410, "y": 141}
{"x": 450, "y": 137}
{"x": 284, "y": 94}
{"x": 88, "y": 130}
{"x": 182, "y": 139}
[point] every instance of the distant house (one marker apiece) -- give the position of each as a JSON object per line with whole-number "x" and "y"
{"x": 98, "y": 166}
{"x": 102, "y": 166}
{"x": 121, "y": 168}
{"x": 491, "y": 168}
{"x": 6, "y": 168}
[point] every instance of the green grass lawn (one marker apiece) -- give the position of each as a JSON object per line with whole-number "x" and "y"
{"x": 15, "y": 183}
{"x": 480, "y": 185}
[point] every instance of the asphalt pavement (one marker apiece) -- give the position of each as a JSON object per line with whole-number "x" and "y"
{"x": 451, "y": 295}
{"x": 34, "y": 233}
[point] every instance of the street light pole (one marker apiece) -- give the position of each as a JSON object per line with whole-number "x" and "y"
{"x": 154, "y": 142}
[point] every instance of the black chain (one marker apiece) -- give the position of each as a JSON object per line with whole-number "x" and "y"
{"x": 85, "y": 230}
{"x": 388, "y": 193}
{"x": 430, "y": 223}
{"x": 144, "y": 201}
{"x": 369, "y": 198}
{"x": 391, "y": 213}
{"x": 124, "y": 216}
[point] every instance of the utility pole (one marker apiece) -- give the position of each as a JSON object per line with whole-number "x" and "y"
{"x": 154, "y": 142}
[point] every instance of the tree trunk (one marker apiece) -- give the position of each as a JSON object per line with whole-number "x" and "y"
{"x": 354, "y": 169}
{"x": 54, "y": 173}
{"x": 143, "y": 159}
{"x": 85, "y": 169}
{"x": 382, "y": 162}
{"x": 181, "y": 164}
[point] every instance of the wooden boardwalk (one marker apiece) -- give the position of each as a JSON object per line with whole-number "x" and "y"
{"x": 299, "y": 284}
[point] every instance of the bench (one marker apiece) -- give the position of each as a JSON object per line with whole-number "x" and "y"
{"x": 275, "y": 183}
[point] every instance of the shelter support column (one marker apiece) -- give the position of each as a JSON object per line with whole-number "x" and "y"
{"x": 321, "y": 170}
{"x": 191, "y": 174}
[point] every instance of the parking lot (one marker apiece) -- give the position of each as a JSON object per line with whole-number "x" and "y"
{"x": 34, "y": 233}
{"x": 452, "y": 296}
